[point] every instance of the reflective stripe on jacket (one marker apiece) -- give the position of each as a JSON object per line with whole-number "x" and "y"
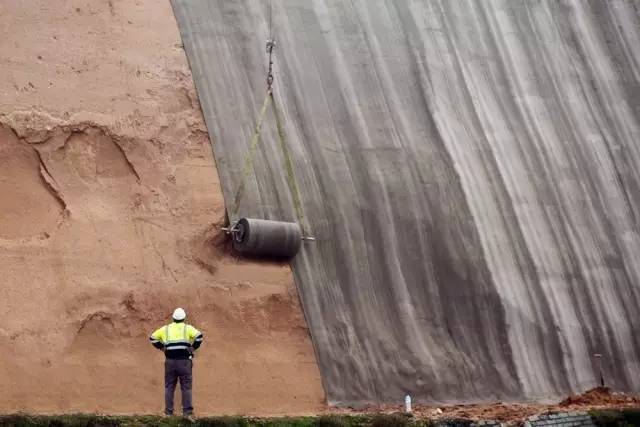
{"x": 178, "y": 340}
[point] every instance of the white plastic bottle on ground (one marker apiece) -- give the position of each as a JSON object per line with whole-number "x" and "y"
{"x": 407, "y": 404}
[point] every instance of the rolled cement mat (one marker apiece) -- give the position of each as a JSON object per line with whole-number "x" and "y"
{"x": 262, "y": 237}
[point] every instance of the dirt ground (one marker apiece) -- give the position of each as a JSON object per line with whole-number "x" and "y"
{"x": 597, "y": 398}
{"x": 110, "y": 207}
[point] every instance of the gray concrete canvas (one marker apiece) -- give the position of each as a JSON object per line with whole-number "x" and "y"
{"x": 471, "y": 170}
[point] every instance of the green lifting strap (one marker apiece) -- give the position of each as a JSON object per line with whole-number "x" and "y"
{"x": 288, "y": 162}
{"x": 248, "y": 161}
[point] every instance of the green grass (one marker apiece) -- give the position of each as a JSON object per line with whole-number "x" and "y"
{"x": 82, "y": 420}
{"x": 603, "y": 418}
{"x": 616, "y": 418}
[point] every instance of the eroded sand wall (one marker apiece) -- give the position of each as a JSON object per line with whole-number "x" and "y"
{"x": 109, "y": 212}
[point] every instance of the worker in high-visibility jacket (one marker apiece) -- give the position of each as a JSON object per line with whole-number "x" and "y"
{"x": 178, "y": 340}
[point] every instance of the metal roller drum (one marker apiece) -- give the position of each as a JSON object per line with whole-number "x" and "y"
{"x": 262, "y": 237}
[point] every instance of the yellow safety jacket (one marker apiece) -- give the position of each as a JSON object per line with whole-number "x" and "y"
{"x": 177, "y": 339}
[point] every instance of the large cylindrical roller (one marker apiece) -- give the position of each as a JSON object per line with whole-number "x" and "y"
{"x": 262, "y": 237}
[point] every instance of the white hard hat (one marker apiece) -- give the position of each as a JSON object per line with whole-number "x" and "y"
{"x": 179, "y": 314}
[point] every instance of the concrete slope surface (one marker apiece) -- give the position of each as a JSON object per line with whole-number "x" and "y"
{"x": 471, "y": 170}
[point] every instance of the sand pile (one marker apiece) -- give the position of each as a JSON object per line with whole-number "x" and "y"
{"x": 110, "y": 208}
{"x": 601, "y": 396}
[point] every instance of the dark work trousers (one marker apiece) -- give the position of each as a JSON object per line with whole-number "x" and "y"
{"x": 175, "y": 369}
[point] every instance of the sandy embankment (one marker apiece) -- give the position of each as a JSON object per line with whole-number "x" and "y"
{"x": 109, "y": 203}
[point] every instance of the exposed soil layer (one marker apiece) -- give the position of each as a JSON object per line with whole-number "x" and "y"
{"x": 110, "y": 210}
